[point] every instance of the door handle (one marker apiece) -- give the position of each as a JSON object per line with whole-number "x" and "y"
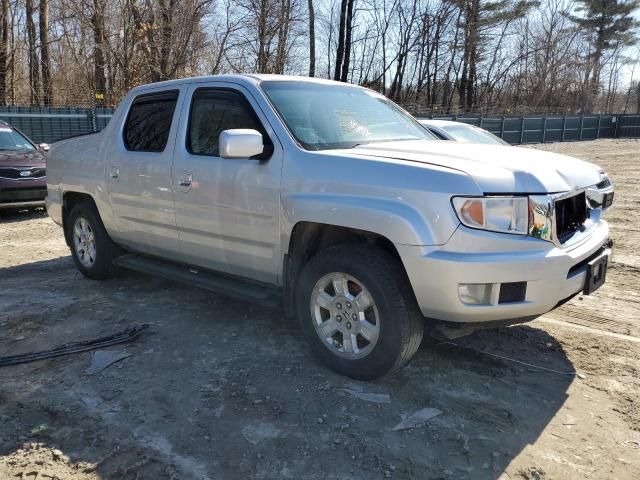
{"x": 185, "y": 179}
{"x": 115, "y": 173}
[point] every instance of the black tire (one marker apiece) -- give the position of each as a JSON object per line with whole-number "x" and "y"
{"x": 105, "y": 249}
{"x": 401, "y": 324}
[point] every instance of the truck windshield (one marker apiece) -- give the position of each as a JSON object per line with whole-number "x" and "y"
{"x": 323, "y": 117}
{"x": 12, "y": 140}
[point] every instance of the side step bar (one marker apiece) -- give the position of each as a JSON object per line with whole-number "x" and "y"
{"x": 228, "y": 285}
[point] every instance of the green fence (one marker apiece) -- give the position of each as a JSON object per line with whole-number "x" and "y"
{"x": 552, "y": 128}
{"x": 52, "y": 124}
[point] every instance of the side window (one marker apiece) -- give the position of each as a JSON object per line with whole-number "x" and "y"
{"x": 149, "y": 121}
{"x": 213, "y": 111}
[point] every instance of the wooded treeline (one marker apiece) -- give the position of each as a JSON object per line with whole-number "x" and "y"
{"x": 440, "y": 56}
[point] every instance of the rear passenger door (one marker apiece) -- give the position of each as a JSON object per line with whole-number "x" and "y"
{"x": 227, "y": 210}
{"x": 139, "y": 179}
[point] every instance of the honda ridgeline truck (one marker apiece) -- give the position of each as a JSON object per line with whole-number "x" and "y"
{"x": 331, "y": 200}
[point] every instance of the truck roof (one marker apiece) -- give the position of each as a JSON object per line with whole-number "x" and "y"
{"x": 242, "y": 79}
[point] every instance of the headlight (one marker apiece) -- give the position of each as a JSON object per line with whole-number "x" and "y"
{"x": 496, "y": 214}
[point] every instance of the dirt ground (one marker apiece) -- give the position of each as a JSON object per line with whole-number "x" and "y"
{"x": 219, "y": 389}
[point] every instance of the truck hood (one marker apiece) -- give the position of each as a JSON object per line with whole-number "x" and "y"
{"x": 495, "y": 168}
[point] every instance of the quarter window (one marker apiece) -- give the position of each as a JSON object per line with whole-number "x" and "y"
{"x": 149, "y": 122}
{"x": 213, "y": 111}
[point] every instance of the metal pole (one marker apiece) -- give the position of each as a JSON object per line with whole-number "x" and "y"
{"x": 544, "y": 128}
{"x": 581, "y": 125}
{"x": 598, "y": 131}
{"x": 524, "y": 119}
{"x": 564, "y": 125}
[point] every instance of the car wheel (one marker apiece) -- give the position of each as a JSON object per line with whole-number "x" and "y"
{"x": 92, "y": 249}
{"x": 358, "y": 311}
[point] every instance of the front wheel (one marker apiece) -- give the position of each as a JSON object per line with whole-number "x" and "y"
{"x": 358, "y": 312}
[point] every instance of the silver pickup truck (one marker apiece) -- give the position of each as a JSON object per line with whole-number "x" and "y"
{"x": 332, "y": 201}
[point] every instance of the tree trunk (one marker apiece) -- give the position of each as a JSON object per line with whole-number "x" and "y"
{"x": 474, "y": 41}
{"x": 99, "y": 78}
{"x": 283, "y": 36}
{"x": 4, "y": 50}
{"x": 347, "y": 43}
{"x": 312, "y": 39}
{"x": 166, "y": 35}
{"x": 263, "y": 55}
{"x": 47, "y": 87}
{"x": 340, "y": 49}
{"x": 34, "y": 70}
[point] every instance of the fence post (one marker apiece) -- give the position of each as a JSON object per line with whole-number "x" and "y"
{"x": 598, "y": 130}
{"x": 564, "y": 125}
{"x": 581, "y": 125}
{"x": 481, "y": 120}
{"x": 502, "y": 128}
{"x": 544, "y": 128}
{"x": 524, "y": 119}
{"x": 618, "y": 118}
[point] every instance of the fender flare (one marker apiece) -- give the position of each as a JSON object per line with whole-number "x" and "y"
{"x": 396, "y": 221}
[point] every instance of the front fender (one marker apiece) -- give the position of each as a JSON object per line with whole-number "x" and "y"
{"x": 398, "y": 222}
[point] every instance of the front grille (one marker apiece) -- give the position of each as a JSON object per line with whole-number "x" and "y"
{"x": 571, "y": 213}
{"x": 603, "y": 184}
{"x": 13, "y": 173}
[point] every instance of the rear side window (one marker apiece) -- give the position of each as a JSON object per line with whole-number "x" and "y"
{"x": 213, "y": 111}
{"x": 149, "y": 121}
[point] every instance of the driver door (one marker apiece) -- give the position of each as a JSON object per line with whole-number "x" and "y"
{"x": 227, "y": 210}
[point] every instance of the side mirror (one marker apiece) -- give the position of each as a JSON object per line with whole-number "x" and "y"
{"x": 44, "y": 147}
{"x": 240, "y": 143}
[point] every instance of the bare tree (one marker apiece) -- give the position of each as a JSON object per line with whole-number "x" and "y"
{"x": 45, "y": 63}
{"x": 4, "y": 49}
{"x": 34, "y": 67}
{"x": 312, "y": 39}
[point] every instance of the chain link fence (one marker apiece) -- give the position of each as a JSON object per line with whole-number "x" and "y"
{"x": 50, "y": 124}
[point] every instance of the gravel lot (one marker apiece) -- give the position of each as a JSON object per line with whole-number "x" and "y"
{"x": 217, "y": 388}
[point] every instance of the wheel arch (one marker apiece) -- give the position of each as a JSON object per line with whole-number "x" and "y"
{"x": 309, "y": 238}
{"x": 69, "y": 200}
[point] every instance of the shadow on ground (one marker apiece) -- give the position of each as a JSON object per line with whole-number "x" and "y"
{"x": 222, "y": 389}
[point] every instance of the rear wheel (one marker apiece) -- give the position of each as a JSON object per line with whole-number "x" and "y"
{"x": 92, "y": 249}
{"x": 358, "y": 312}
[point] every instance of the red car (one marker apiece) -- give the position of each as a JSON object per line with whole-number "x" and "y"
{"x": 23, "y": 181}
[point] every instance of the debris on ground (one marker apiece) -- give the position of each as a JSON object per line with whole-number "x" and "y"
{"x": 105, "y": 358}
{"x": 358, "y": 391}
{"x": 368, "y": 397}
{"x": 75, "y": 347}
{"x": 418, "y": 419}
